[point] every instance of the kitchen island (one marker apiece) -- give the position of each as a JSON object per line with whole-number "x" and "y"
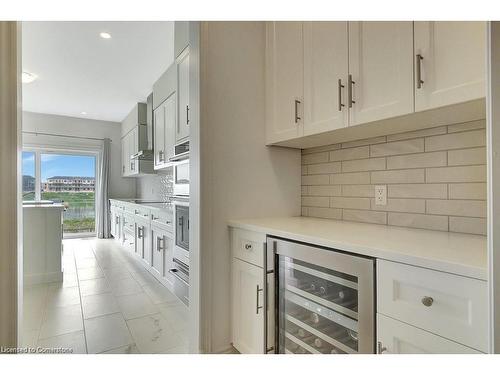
{"x": 42, "y": 242}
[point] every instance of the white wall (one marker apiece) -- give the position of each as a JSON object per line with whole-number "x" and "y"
{"x": 45, "y": 123}
{"x": 240, "y": 176}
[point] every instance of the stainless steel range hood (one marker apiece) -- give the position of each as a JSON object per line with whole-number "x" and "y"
{"x": 146, "y": 134}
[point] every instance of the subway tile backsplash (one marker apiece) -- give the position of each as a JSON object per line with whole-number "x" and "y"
{"x": 436, "y": 179}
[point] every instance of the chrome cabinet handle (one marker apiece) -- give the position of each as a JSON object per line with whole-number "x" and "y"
{"x": 341, "y": 86}
{"x": 380, "y": 348}
{"x": 427, "y": 301}
{"x": 187, "y": 115}
{"x": 297, "y": 118}
{"x": 248, "y": 246}
{"x": 350, "y": 83}
{"x": 132, "y": 165}
{"x": 158, "y": 243}
{"x": 140, "y": 232}
{"x": 160, "y": 156}
{"x": 258, "y": 290}
{"x": 418, "y": 65}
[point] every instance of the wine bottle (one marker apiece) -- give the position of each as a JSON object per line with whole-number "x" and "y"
{"x": 314, "y": 318}
{"x": 318, "y": 343}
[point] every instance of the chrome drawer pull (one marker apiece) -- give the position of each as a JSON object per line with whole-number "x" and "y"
{"x": 427, "y": 301}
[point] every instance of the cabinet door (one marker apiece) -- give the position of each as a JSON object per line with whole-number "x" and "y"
{"x": 325, "y": 75}
{"x": 284, "y": 81}
{"x": 162, "y": 255}
{"x": 453, "y": 64}
{"x": 124, "y": 156}
{"x": 133, "y": 140}
{"x": 182, "y": 129}
{"x": 112, "y": 217}
{"x": 170, "y": 124}
{"x": 247, "y": 299}
{"x": 395, "y": 337}
{"x": 159, "y": 136}
{"x": 381, "y": 65}
{"x": 143, "y": 243}
{"x": 157, "y": 264}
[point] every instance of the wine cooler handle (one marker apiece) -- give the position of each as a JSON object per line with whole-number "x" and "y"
{"x": 257, "y": 307}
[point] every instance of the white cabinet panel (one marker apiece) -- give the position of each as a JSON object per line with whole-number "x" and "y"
{"x": 381, "y": 65}
{"x": 325, "y": 72}
{"x": 161, "y": 255}
{"x": 284, "y": 80}
{"x": 170, "y": 125}
{"x": 159, "y": 136}
{"x": 395, "y": 337}
{"x": 453, "y": 64}
{"x": 452, "y": 306}
{"x": 182, "y": 128}
{"x": 247, "y": 296}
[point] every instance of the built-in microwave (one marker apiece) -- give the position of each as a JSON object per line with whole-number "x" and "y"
{"x": 181, "y": 178}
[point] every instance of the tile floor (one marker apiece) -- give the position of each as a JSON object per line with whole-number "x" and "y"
{"x": 107, "y": 303}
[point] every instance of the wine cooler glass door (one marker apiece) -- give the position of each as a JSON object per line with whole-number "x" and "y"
{"x": 325, "y": 303}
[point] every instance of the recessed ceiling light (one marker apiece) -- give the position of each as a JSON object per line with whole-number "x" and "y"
{"x": 28, "y": 77}
{"x": 105, "y": 35}
{"x": 83, "y": 113}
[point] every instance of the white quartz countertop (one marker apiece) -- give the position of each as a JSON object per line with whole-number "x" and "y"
{"x": 58, "y": 206}
{"x": 146, "y": 203}
{"x": 462, "y": 254}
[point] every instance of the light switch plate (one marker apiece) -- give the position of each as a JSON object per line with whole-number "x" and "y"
{"x": 381, "y": 195}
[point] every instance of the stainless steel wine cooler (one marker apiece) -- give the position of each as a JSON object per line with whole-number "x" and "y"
{"x": 324, "y": 300}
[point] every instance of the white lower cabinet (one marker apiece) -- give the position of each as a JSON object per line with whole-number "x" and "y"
{"x": 395, "y": 337}
{"x": 162, "y": 255}
{"x": 252, "y": 293}
{"x": 448, "y": 306}
{"x": 248, "y": 307}
{"x": 143, "y": 242}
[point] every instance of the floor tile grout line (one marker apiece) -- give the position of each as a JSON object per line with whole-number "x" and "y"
{"x": 81, "y": 304}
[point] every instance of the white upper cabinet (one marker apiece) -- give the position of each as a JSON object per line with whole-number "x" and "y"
{"x": 284, "y": 80}
{"x": 182, "y": 128}
{"x": 165, "y": 116}
{"x": 159, "y": 136}
{"x": 381, "y": 69}
{"x": 325, "y": 75}
{"x": 170, "y": 106}
{"x": 450, "y": 60}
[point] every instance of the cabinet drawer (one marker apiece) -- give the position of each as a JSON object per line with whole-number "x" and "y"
{"x": 451, "y": 306}
{"x": 248, "y": 246}
{"x": 164, "y": 218}
{"x": 396, "y": 337}
{"x": 142, "y": 212}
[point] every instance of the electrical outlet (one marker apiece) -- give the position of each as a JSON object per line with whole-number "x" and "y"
{"x": 381, "y": 195}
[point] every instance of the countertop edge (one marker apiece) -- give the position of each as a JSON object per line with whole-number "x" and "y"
{"x": 434, "y": 264}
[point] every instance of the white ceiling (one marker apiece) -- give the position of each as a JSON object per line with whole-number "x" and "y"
{"x": 78, "y": 71}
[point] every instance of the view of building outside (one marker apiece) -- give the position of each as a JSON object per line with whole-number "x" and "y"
{"x": 65, "y": 178}
{"x": 28, "y": 176}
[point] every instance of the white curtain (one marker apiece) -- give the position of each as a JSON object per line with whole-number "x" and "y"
{"x": 102, "y": 219}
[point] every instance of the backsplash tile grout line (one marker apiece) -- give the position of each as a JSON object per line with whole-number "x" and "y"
{"x": 431, "y": 192}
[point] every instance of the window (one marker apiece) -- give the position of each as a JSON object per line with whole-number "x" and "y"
{"x": 29, "y": 180}
{"x": 67, "y": 178}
